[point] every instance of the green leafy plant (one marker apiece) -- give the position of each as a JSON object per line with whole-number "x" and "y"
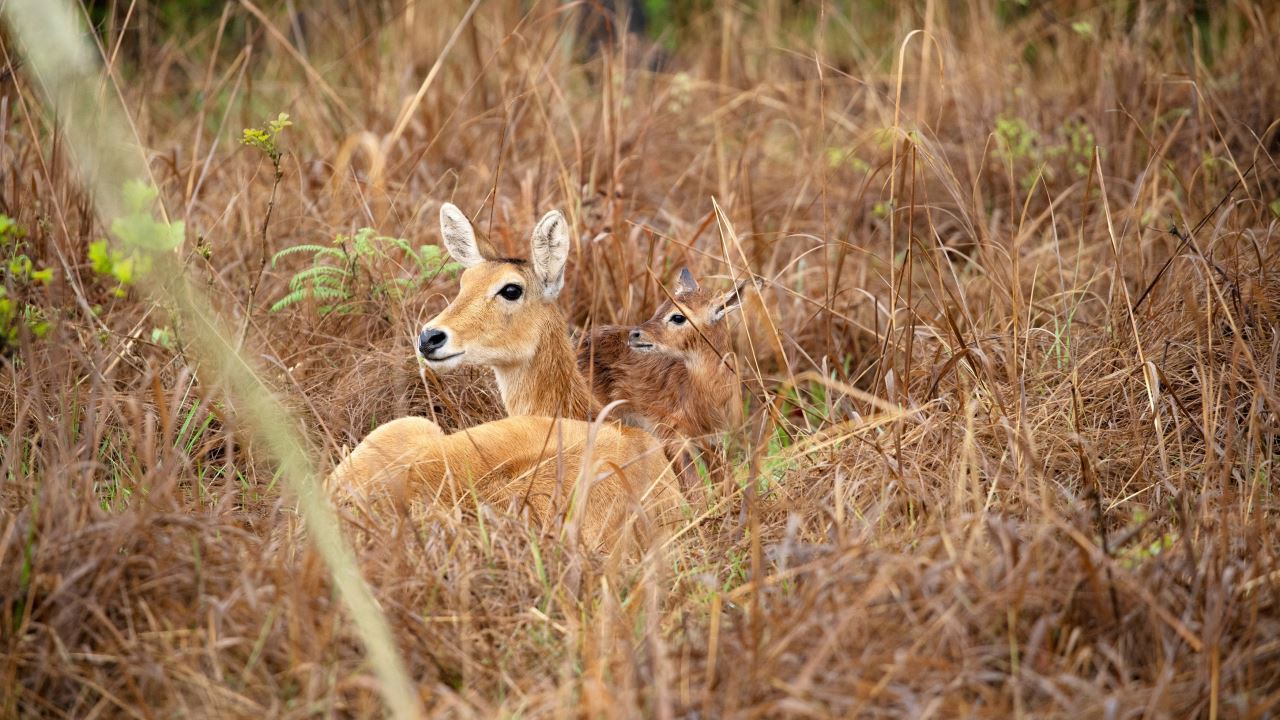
{"x": 115, "y": 263}
{"x": 1016, "y": 139}
{"x": 140, "y": 238}
{"x": 140, "y": 235}
{"x": 164, "y": 337}
{"x": 1018, "y": 144}
{"x": 1077, "y": 146}
{"x": 267, "y": 138}
{"x": 838, "y": 157}
{"x": 344, "y": 274}
{"x": 21, "y": 275}
{"x": 1138, "y": 555}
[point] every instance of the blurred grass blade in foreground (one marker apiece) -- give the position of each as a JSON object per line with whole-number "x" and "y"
{"x": 112, "y": 170}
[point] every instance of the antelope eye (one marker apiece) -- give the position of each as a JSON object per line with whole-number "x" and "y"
{"x": 511, "y": 291}
{"x": 677, "y": 319}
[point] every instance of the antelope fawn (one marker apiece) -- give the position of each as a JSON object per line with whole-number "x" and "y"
{"x": 505, "y": 317}
{"x": 672, "y": 369}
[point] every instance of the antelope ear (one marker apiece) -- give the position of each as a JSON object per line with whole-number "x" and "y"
{"x": 731, "y": 301}
{"x": 550, "y": 251}
{"x": 459, "y": 237}
{"x": 685, "y": 283}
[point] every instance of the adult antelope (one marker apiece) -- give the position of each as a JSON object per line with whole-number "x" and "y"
{"x": 505, "y": 317}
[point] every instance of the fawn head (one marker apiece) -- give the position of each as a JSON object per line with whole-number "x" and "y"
{"x": 682, "y": 328}
{"x": 504, "y": 306}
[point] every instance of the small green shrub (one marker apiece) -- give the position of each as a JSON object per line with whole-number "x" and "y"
{"x": 1019, "y": 145}
{"x": 140, "y": 234}
{"x": 267, "y": 138}
{"x": 1015, "y": 139}
{"x": 344, "y": 275}
{"x": 20, "y": 276}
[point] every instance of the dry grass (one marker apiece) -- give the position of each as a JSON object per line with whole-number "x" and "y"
{"x": 978, "y": 477}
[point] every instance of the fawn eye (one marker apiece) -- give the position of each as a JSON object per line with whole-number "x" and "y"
{"x": 677, "y": 319}
{"x": 511, "y": 291}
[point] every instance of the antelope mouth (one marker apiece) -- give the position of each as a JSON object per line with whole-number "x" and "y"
{"x": 641, "y": 346}
{"x": 444, "y": 358}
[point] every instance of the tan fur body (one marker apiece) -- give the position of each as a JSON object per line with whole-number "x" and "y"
{"x": 521, "y": 463}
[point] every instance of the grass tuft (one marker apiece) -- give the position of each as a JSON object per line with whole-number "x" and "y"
{"x": 1011, "y": 436}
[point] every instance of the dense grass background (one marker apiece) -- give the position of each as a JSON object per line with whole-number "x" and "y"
{"x": 1012, "y": 421}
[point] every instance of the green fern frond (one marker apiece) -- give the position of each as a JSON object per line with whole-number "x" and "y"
{"x": 321, "y": 292}
{"x": 307, "y": 283}
{"x": 317, "y": 250}
{"x": 321, "y": 271}
{"x": 292, "y": 298}
{"x": 330, "y": 279}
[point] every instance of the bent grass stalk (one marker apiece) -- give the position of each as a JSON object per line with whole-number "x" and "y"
{"x": 110, "y": 168}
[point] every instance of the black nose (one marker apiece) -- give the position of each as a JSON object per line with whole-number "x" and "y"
{"x": 635, "y": 334}
{"x": 430, "y": 340}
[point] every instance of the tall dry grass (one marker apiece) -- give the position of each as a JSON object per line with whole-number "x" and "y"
{"x": 985, "y": 470}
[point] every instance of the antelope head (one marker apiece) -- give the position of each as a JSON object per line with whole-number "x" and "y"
{"x": 505, "y": 306}
{"x": 683, "y": 326}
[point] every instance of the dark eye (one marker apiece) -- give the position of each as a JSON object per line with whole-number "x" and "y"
{"x": 511, "y": 291}
{"x": 676, "y": 319}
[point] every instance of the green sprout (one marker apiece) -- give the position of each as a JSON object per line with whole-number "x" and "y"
{"x": 141, "y": 237}
{"x": 21, "y": 276}
{"x": 267, "y": 138}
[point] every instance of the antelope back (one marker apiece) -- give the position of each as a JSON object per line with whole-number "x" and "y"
{"x": 519, "y": 463}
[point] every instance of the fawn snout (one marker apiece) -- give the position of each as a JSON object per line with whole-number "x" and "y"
{"x": 638, "y": 341}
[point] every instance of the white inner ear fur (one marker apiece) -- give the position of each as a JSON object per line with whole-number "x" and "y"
{"x": 730, "y": 302}
{"x": 459, "y": 236}
{"x": 550, "y": 250}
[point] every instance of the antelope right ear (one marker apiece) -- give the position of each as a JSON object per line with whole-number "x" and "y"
{"x": 459, "y": 236}
{"x": 731, "y": 301}
{"x": 685, "y": 283}
{"x": 550, "y": 252}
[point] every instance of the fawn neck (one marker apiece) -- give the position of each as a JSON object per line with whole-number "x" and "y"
{"x": 549, "y": 384}
{"x": 706, "y": 367}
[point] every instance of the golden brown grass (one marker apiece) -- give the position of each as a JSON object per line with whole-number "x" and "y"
{"x": 977, "y": 476}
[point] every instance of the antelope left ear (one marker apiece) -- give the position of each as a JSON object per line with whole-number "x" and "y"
{"x": 550, "y": 251}
{"x": 685, "y": 283}
{"x": 459, "y": 237}
{"x": 731, "y": 301}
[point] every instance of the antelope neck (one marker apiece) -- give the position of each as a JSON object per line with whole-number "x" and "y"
{"x": 549, "y": 384}
{"x": 703, "y": 363}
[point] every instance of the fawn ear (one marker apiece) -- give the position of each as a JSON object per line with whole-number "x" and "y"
{"x": 459, "y": 237}
{"x": 685, "y": 283}
{"x": 550, "y": 251}
{"x": 729, "y": 302}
